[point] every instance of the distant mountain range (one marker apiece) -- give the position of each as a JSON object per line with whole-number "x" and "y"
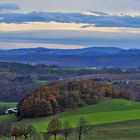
{"x": 86, "y": 51}
{"x": 86, "y": 57}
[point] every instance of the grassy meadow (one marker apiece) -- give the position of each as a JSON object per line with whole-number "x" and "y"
{"x": 106, "y": 112}
{"x": 8, "y": 104}
{"x": 127, "y": 130}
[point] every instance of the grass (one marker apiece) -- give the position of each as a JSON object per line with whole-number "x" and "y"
{"x": 7, "y": 73}
{"x": 104, "y": 112}
{"x": 109, "y": 111}
{"x": 128, "y": 130}
{"x": 8, "y": 118}
{"x": 42, "y": 82}
{"x": 8, "y": 104}
{"x": 72, "y": 69}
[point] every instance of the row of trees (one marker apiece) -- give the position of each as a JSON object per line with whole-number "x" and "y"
{"x": 59, "y": 97}
{"x": 20, "y": 131}
{"x": 56, "y": 127}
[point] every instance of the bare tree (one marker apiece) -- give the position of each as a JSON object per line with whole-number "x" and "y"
{"x": 82, "y": 127}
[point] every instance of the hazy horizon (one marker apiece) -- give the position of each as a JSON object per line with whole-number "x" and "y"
{"x": 56, "y": 46}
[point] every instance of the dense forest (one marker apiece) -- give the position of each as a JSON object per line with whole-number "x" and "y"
{"x": 59, "y": 97}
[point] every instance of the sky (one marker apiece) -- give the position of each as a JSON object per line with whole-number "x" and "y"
{"x": 102, "y": 23}
{"x": 109, "y": 6}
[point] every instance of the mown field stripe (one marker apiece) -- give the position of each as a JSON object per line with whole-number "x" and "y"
{"x": 93, "y": 119}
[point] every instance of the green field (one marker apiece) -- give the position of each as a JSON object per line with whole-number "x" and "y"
{"x": 8, "y": 104}
{"x": 72, "y": 69}
{"x": 106, "y": 112}
{"x": 42, "y": 82}
{"x": 127, "y": 130}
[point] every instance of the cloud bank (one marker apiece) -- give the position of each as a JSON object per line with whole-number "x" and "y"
{"x": 79, "y": 18}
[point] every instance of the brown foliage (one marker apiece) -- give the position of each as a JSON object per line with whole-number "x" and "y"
{"x": 58, "y": 97}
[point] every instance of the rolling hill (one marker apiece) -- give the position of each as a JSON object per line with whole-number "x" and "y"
{"x": 106, "y": 112}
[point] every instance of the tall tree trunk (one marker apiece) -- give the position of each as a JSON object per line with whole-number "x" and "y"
{"x": 80, "y": 136}
{"x": 66, "y": 137}
{"x": 55, "y": 137}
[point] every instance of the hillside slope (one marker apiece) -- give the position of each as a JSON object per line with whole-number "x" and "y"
{"x": 105, "y": 112}
{"x": 108, "y": 111}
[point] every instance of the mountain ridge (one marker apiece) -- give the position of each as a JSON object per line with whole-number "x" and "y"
{"x": 86, "y": 57}
{"x": 108, "y": 50}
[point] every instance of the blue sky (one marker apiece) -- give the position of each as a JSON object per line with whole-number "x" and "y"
{"x": 90, "y": 23}
{"x": 111, "y": 6}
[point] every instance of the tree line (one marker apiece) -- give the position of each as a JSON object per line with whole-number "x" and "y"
{"x": 55, "y": 129}
{"x": 19, "y": 131}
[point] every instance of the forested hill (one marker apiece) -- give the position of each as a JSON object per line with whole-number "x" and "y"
{"x": 59, "y": 97}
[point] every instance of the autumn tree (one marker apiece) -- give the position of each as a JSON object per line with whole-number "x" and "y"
{"x": 25, "y": 131}
{"x": 15, "y": 132}
{"x": 54, "y": 127}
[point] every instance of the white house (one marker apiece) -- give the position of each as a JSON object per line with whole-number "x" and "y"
{"x": 11, "y": 111}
